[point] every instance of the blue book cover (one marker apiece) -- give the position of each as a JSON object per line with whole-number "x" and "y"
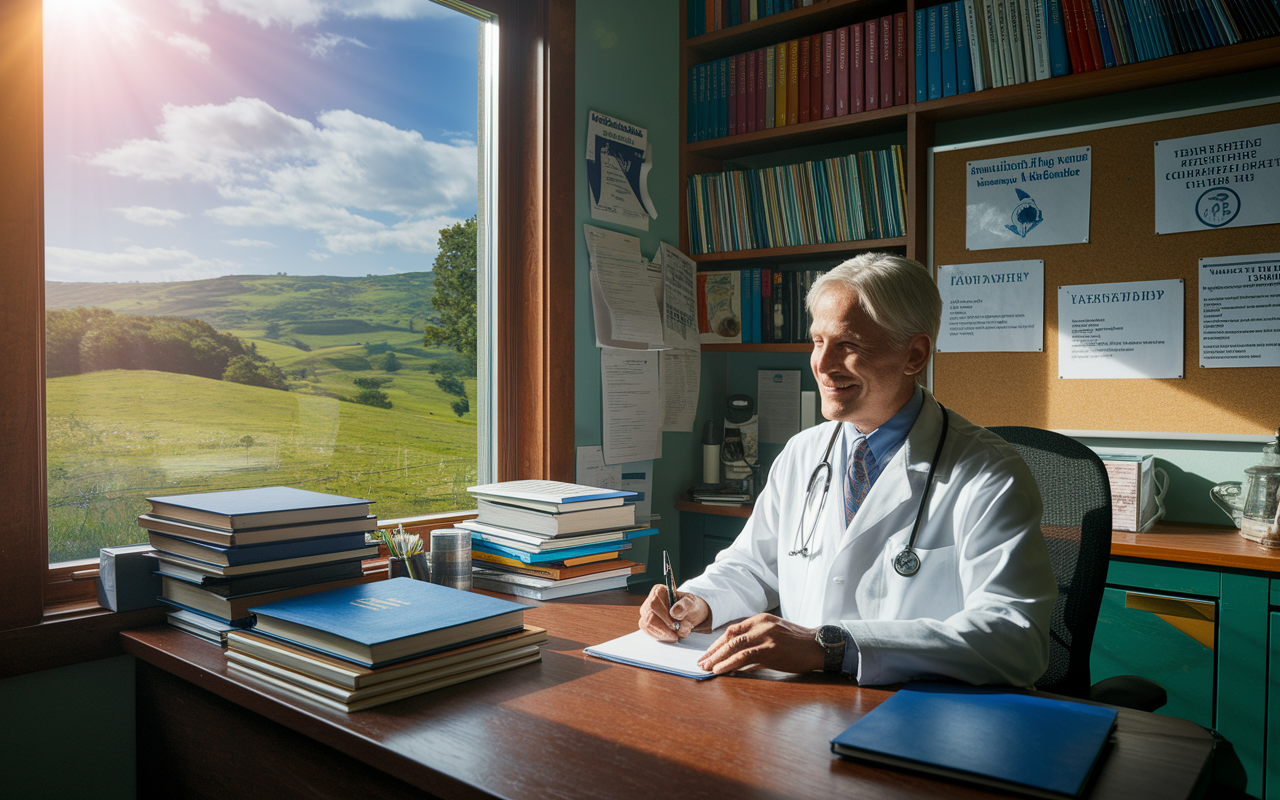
{"x": 704, "y": 88}
{"x": 1056, "y": 35}
{"x": 935, "y": 55}
{"x": 754, "y": 312}
{"x": 964, "y": 66}
{"x": 257, "y": 508}
{"x": 1210, "y": 30}
{"x": 1104, "y": 35}
{"x": 697, "y": 17}
{"x": 386, "y": 618}
{"x": 713, "y": 100}
{"x": 922, "y": 58}
{"x": 993, "y": 737}
{"x": 552, "y": 555}
{"x": 236, "y": 555}
{"x": 1141, "y": 36}
{"x": 947, "y": 48}
{"x": 691, "y": 107}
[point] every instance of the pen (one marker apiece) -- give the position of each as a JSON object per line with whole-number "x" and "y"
{"x": 669, "y": 577}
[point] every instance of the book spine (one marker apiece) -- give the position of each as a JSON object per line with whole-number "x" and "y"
{"x": 815, "y": 77}
{"x": 1091, "y": 31}
{"x": 766, "y": 306}
{"x": 776, "y": 317}
{"x": 886, "y": 62}
{"x": 735, "y": 12}
{"x": 1124, "y": 31}
{"x": 1059, "y": 61}
{"x": 691, "y": 106}
{"x": 842, "y": 71}
{"x": 921, "y": 57}
{"x": 722, "y": 8}
{"x": 749, "y": 78}
{"x": 1040, "y": 42}
{"x": 935, "y": 55}
{"x": 762, "y": 105}
{"x": 991, "y": 29}
{"x": 704, "y": 78}
{"x": 947, "y": 40}
{"x": 804, "y": 103}
{"x": 1011, "y": 42}
{"x": 709, "y": 17}
{"x": 780, "y": 86}
{"x": 770, "y": 89}
{"x": 1074, "y": 11}
{"x": 964, "y": 65}
{"x": 857, "y": 70}
{"x": 744, "y": 101}
{"x": 828, "y": 74}
{"x": 970, "y": 11}
{"x": 722, "y": 106}
{"x": 757, "y": 296}
{"x": 901, "y": 38}
{"x": 731, "y": 98}
{"x": 870, "y": 65}
{"x": 1104, "y": 34}
{"x": 793, "y": 82}
{"x": 753, "y": 7}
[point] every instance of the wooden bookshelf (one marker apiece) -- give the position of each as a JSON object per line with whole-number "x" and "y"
{"x": 915, "y": 120}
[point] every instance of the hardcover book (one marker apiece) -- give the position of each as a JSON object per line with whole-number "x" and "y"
{"x": 233, "y": 556}
{"x": 921, "y": 55}
{"x": 541, "y": 494}
{"x": 901, "y": 36}
{"x": 886, "y": 61}
{"x": 277, "y": 533}
{"x": 262, "y": 581}
{"x": 857, "y": 70}
{"x": 871, "y": 64}
{"x": 793, "y": 81}
{"x": 235, "y": 610}
{"x": 815, "y": 76}
{"x": 780, "y": 85}
{"x": 562, "y": 554}
{"x": 803, "y": 101}
{"x": 561, "y": 524}
{"x": 494, "y": 581}
{"x": 257, "y": 508}
{"x": 218, "y": 570}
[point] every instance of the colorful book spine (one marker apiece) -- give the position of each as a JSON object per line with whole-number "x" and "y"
{"x": 815, "y": 76}
{"x": 793, "y": 81}
{"x": 922, "y": 63}
{"x": 762, "y": 106}
{"x": 803, "y": 101}
{"x": 1055, "y": 33}
{"x": 857, "y": 70}
{"x": 964, "y": 65}
{"x": 871, "y": 64}
{"x": 842, "y": 71}
{"x": 722, "y": 102}
{"x": 947, "y": 46}
{"x": 1039, "y": 40}
{"x": 780, "y": 86}
{"x": 731, "y": 98}
{"x": 886, "y": 62}
{"x": 744, "y": 98}
{"x": 828, "y": 74}
{"x": 770, "y": 88}
{"x": 691, "y": 106}
{"x": 901, "y": 36}
{"x": 935, "y": 55}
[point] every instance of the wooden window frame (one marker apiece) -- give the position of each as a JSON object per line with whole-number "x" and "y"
{"x": 535, "y": 308}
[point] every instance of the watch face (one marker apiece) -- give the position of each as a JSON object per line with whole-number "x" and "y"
{"x": 831, "y": 636}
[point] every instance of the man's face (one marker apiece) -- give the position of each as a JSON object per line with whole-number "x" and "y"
{"x": 862, "y": 377}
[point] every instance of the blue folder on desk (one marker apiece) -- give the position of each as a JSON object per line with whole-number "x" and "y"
{"x": 1017, "y": 741}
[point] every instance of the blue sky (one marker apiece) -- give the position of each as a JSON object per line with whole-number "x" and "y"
{"x": 188, "y": 139}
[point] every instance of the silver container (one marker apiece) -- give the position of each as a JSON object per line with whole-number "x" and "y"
{"x": 451, "y": 558}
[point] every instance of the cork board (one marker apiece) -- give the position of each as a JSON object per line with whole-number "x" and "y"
{"x": 1024, "y": 388}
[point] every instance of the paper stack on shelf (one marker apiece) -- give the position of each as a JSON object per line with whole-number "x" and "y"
{"x": 720, "y": 494}
{"x": 221, "y": 552}
{"x": 362, "y": 646}
{"x": 545, "y": 539}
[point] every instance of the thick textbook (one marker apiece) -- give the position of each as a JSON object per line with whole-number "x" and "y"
{"x": 262, "y": 581}
{"x": 235, "y": 610}
{"x": 639, "y": 649}
{"x": 257, "y": 508}
{"x": 557, "y": 589}
{"x": 562, "y": 554}
{"x": 277, "y": 533}
{"x": 217, "y": 570}
{"x": 379, "y": 623}
{"x": 538, "y": 494}
{"x": 235, "y": 556}
{"x": 555, "y": 524}
{"x": 1020, "y": 742}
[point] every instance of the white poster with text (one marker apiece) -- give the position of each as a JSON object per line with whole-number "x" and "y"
{"x": 1028, "y": 200}
{"x": 1229, "y": 179}
{"x": 1121, "y": 330}
{"x": 994, "y": 307}
{"x": 1240, "y": 311}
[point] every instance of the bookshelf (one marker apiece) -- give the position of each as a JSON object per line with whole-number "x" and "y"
{"x": 915, "y": 121}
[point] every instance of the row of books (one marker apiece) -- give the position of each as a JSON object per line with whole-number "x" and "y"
{"x": 706, "y": 16}
{"x": 848, "y": 198}
{"x": 853, "y": 68}
{"x": 767, "y": 305}
{"x": 546, "y": 539}
{"x": 219, "y": 553}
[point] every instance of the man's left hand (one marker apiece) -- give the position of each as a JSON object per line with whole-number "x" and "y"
{"x": 764, "y": 642}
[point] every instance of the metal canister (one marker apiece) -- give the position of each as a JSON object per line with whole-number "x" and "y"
{"x": 451, "y": 558}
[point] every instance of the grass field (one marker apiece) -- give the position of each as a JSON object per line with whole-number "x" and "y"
{"x": 117, "y": 437}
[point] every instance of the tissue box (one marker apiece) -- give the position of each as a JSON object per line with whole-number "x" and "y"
{"x": 1133, "y": 490}
{"x": 127, "y": 580}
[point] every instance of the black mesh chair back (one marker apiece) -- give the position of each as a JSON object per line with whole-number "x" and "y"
{"x": 1077, "y": 527}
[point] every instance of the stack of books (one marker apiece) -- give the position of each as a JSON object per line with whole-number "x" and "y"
{"x": 545, "y": 539}
{"x": 222, "y": 552}
{"x": 720, "y": 494}
{"x": 706, "y": 16}
{"x": 363, "y": 646}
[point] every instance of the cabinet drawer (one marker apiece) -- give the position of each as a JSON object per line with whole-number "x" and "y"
{"x": 1166, "y": 638}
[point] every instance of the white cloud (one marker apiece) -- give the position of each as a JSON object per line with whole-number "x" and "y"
{"x": 133, "y": 263}
{"x": 146, "y": 215}
{"x": 296, "y": 13}
{"x": 331, "y": 178}
{"x": 187, "y": 44}
{"x": 322, "y": 44}
{"x": 248, "y": 243}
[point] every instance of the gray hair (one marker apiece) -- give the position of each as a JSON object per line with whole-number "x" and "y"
{"x": 897, "y": 293}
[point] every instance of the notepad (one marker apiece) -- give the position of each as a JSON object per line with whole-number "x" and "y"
{"x": 639, "y": 649}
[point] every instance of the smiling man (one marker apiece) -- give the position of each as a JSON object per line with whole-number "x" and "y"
{"x": 969, "y": 596}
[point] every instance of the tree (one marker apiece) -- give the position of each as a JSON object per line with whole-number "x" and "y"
{"x": 372, "y": 397}
{"x": 461, "y": 406}
{"x": 254, "y": 370}
{"x": 455, "y": 291}
{"x": 273, "y": 330}
{"x": 391, "y": 363}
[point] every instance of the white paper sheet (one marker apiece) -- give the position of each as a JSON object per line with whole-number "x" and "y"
{"x": 639, "y": 649}
{"x": 635, "y": 476}
{"x": 619, "y": 159}
{"x": 1228, "y": 179}
{"x": 1028, "y": 200}
{"x": 994, "y": 307}
{"x": 592, "y": 471}
{"x": 1121, "y": 330}
{"x": 778, "y": 401}
{"x": 629, "y": 386}
{"x": 1240, "y": 311}
{"x": 627, "y": 286}
{"x": 679, "y": 298}
{"x": 680, "y": 372}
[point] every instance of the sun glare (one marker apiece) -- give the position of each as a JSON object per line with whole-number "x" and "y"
{"x": 81, "y": 11}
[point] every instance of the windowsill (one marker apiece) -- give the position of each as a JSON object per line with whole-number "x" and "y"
{"x": 69, "y": 634}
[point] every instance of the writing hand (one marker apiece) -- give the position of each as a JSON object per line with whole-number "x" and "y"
{"x": 764, "y": 642}
{"x": 669, "y": 623}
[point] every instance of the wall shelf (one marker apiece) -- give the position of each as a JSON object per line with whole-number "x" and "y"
{"x": 798, "y": 253}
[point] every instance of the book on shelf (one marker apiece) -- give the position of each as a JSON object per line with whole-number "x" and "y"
{"x": 901, "y": 40}
{"x": 719, "y": 298}
{"x": 780, "y": 61}
{"x": 235, "y": 610}
{"x": 550, "y": 495}
{"x": 1018, "y": 742}
{"x": 262, "y": 581}
{"x": 276, "y": 533}
{"x": 555, "y": 524}
{"x": 541, "y": 588}
{"x": 236, "y": 555}
{"x": 353, "y": 677}
{"x": 571, "y": 561}
{"x": 886, "y": 61}
{"x": 257, "y": 508}
{"x": 218, "y": 570}
{"x": 869, "y": 62}
{"x": 553, "y": 555}
{"x": 386, "y": 621}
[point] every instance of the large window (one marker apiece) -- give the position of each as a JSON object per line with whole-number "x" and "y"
{"x": 190, "y": 204}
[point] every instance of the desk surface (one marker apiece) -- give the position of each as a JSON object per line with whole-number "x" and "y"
{"x": 1210, "y": 545}
{"x": 573, "y": 726}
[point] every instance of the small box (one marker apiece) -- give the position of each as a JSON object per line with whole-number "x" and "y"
{"x": 127, "y": 579}
{"x": 1133, "y": 490}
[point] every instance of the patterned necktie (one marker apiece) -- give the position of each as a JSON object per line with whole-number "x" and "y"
{"x": 858, "y": 478}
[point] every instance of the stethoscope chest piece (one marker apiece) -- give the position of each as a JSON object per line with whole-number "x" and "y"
{"x": 906, "y": 563}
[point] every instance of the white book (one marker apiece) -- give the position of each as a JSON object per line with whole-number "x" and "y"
{"x": 533, "y": 542}
{"x": 552, "y": 524}
{"x": 991, "y": 45}
{"x": 551, "y": 592}
{"x": 1011, "y": 36}
{"x": 555, "y": 493}
{"x": 975, "y": 52}
{"x": 1039, "y": 39}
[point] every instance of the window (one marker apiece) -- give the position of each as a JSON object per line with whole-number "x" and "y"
{"x": 529, "y": 323}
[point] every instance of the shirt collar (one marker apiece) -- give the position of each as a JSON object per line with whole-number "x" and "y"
{"x": 885, "y": 441}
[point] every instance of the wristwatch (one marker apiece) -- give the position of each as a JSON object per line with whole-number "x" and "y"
{"x": 831, "y": 637}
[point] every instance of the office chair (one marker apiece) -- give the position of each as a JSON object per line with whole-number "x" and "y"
{"x": 1077, "y": 528}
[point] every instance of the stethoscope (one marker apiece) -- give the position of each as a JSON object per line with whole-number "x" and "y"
{"x": 905, "y": 563}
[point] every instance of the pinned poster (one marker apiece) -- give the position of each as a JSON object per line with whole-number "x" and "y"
{"x": 1229, "y": 179}
{"x": 1028, "y": 200}
{"x": 1240, "y": 311}
{"x": 619, "y": 157}
{"x": 1121, "y": 330}
{"x": 995, "y": 307}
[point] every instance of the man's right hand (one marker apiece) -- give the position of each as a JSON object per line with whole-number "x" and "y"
{"x": 668, "y": 623}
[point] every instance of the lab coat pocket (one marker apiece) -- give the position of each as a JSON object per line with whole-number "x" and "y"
{"x": 932, "y": 592}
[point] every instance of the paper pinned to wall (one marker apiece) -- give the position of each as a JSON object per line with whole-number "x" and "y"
{"x": 679, "y": 298}
{"x": 992, "y": 307}
{"x": 778, "y": 401}
{"x": 1240, "y": 311}
{"x": 1121, "y": 330}
{"x": 619, "y": 158}
{"x": 1028, "y": 200}
{"x": 679, "y": 372}
{"x": 634, "y": 476}
{"x": 625, "y": 291}
{"x": 630, "y": 391}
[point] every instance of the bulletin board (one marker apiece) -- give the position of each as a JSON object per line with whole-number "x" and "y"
{"x": 1024, "y": 388}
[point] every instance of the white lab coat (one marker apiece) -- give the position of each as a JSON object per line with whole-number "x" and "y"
{"x": 979, "y": 608}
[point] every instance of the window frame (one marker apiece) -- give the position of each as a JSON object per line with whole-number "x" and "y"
{"x": 533, "y": 394}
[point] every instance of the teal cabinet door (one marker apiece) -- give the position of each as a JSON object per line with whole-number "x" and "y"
{"x": 1273, "y": 708}
{"x": 1168, "y": 639}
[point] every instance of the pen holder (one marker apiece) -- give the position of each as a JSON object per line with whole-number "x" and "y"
{"x": 416, "y": 567}
{"x": 451, "y": 558}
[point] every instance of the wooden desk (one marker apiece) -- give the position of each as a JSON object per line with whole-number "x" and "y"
{"x": 569, "y": 727}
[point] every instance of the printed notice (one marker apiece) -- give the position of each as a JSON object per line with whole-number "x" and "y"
{"x": 1229, "y": 179}
{"x": 1121, "y": 330}
{"x": 995, "y": 307}
{"x": 778, "y": 391}
{"x": 619, "y": 157}
{"x": 1240, "y": 311}
{"x": 1028, "y": 200}
{"x": 629, "y": 384}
